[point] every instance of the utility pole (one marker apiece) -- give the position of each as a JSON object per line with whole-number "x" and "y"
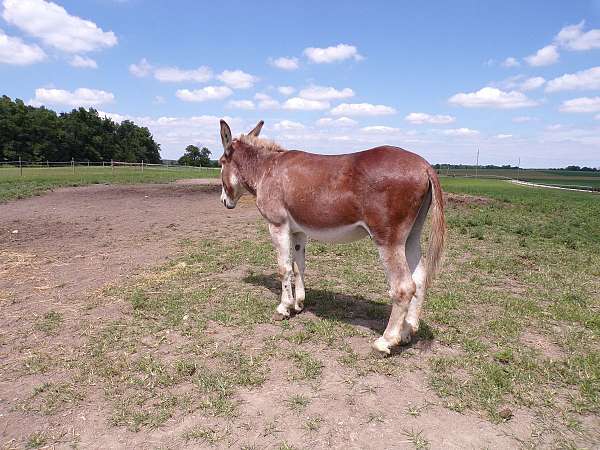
{"x": 518, "y": 168}
{"x": 477, "y": 163}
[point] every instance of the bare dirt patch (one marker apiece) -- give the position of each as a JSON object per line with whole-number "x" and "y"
{"x": 466, "y": 199}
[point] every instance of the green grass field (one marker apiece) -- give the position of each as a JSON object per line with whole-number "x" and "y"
{"x": 35, "y": 181}
{"x": 550, "y": 177}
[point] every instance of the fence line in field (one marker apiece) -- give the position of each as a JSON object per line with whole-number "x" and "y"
{"x": 20, "y": 164}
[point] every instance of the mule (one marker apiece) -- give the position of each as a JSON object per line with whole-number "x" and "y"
{"x": 385, "y": 193}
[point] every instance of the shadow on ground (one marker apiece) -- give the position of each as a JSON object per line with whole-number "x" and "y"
{"x": 355, "y": 310}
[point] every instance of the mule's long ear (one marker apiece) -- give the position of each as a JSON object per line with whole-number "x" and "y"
{"x": 256, "y": 130}
{"x": 225, "y": 135}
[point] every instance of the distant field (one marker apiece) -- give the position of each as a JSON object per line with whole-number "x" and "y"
{"x": 35, "y": 181}
{"x": 550, "y": 177}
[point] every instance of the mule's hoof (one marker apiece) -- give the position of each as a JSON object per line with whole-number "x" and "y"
{"x": 298, "y": 308}
{"x": 406, "y": 336}
{"x": 381, "y": 346}
{"x": 278, "y": 317}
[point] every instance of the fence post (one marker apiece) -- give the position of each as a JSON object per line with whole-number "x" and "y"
{"x": 73, "y": 165}
{"x": 47, "y": 163}
{"x": 88, "y": 163}
{"x": 112, "y": 166}
{"x": 20, "y": 166}
{"x": 142, "y": 166}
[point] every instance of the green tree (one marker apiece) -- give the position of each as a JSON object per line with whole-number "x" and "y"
{"x": 195, "y": 156}
{"x": 39, "y": 134}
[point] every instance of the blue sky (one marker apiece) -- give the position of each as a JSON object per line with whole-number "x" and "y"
{"x": 512, "y": 78}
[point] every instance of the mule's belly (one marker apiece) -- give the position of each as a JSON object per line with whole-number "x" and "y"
{"x": 336, "y": 235}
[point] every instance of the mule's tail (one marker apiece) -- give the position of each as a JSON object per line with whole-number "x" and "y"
{"x": 437, "y": 235}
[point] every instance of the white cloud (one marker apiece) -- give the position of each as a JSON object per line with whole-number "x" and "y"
{"x": 489, "y": 97}
{"x": 241, "y": 104}
{"x": 286, "y": 90}
{"x": 532, "y": 83}
{"x": 418, "y": 118}
{"x": 204, "y": 94}
{"x": 303, "y": 104}
{"x": 572, "y": 37}
{"x": 158, "y": 100}
{"x": 379, "y": 129}
{"x": 55, "y": 27}
{"x": 511, "y": 62}
{"x": 339, "y": 122}
{"x": 237, "y": 79}
{"x": 461, "y": 132}
{"x": 285, "y": 125}
{"x": 583, "y": 80}
{"x": 325, "y": 93}
{"x": 79, "y": 97}
{"x": 170, "y": 74}
{"x": 520, "y": 83}
{"x": 503, "y": 136}
{"x": 581, "y": 105}
{"x": 14, "y": 51}
{"x": 141, "y": 69}
{"x": 177, "y": 75}
{"x": 265, "y": 101}
{"x": 523, "y": 119}
{"x": 543, "y": 57}
{"x": 362, "y": 109}
{"x": 284, "y": 63}
{"x": 83, "y": 62}
{"x": 332, "y": 54}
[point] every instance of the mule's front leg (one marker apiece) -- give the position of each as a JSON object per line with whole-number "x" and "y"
{"x": 299, "y": 242}
{"x": 281, "y": 239}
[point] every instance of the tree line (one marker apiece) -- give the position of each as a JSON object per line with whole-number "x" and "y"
{"x": 39, "y": 134}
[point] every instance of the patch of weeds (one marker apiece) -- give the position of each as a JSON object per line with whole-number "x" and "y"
{"x": 204, "y": 434}
{"x": 36, "y": 440}
{"x": 298, "y": 402}
{"x": 139, "y": 410}
{"x": 37, "y": 363}
{"x": 50, "y": 398}
{"x": 286, "y": 446}
{"x": 417, "y": 439}
{"x": 313, "y": 423}
{"x": 375, "y": 417}
{"x": 416, "y": 410}
{"x": 308, "y": 368}
{"x": 49, "y": 323}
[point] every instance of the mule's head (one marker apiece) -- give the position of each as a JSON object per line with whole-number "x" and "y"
{"x": 232, "y": 188}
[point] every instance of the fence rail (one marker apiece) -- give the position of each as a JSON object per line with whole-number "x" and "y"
{"x": 22, "y": 165}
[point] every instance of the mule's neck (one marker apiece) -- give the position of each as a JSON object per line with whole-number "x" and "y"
{"x": 252, "y": 162}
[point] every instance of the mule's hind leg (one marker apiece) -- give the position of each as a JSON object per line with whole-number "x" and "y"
{"x": 299, "y": 251}
{"x": 281, "y": 237}
{"x": 417, "y": 268}
{"x": 402, "y": 290}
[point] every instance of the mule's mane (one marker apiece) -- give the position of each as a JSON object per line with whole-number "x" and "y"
{"x": 263, "y": 144}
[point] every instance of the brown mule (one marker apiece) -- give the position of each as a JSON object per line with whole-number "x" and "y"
{"x": 384, "y": 192}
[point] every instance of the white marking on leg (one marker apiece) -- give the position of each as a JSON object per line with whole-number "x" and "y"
{"x": 281, "y": 238}
{"x": 402, "y": 289}
{"x": 299, "y": 243}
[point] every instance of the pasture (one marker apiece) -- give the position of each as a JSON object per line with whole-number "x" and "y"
{"x": 33, "y": 180}
{"x": 140, "y": 316}
{"x": 550, "y": 177}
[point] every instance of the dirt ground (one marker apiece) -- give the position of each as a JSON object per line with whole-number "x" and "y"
{"x": 60, "y": 248}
